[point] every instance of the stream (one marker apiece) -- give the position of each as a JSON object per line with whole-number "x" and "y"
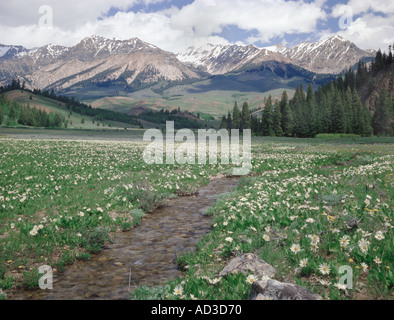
{"x": 146, "y": 255}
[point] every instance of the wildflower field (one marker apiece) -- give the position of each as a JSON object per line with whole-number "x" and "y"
{"x": 306, "y": 208}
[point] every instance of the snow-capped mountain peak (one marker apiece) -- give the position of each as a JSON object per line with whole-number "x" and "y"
{"x": 48, "y": 52}
{"x": 4, "y": 50}
{"x": 331, "y": 55}
{"x": 97, "y": 59}
{"x": 10, "y": 52}
{"x": 280, "y": 48}
{"x": 220, "y": 59}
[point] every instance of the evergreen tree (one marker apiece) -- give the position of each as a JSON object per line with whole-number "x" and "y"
{"x": 357, "y": 123}
{"x": 390, "y": 56}
{"x": 223, "y": 124}
{"x": 245, "y": 117}
{"x": 236, "y": 121}
{"x": 48, "y": 121}
{"x": 311, "y": 111}
{"x": 367, "y": 122}
{"x": 277, "y": 121}
{"x": 326, "y": 113}
{"x": 382, "y": 116}
{"x": 338, "y": 114}
{"x": 350, "y": 79}
{"x": 299, "y": 107}
{"x": 284, "y": 102}
{"x": 340, "y": 84}
{"x": 22, "y": 119}
{"x": 287, "y": 117}
{"x": 229, "y": 121}
{"x": 268, "y": 119}
{"x": 378, "y": 64}
{"x": 362, "y": 74}
{"x": 348, "y": 110}
{"x": 1, "y": 115}
{"x": 361, "y": 117}
{"x": 255, "y": 124}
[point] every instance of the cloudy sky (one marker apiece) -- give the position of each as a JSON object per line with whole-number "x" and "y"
{"x": 174, "y": 25}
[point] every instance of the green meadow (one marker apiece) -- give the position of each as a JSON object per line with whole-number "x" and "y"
{"x": 215, "y": 103}
{"x": 62, "y": 200}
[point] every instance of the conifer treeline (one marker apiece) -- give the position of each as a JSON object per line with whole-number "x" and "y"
{"x": 25, "y": 115}
{"x": 334, "y": 108}
{"x": 74, "y": 105}
{"x": 328, "y": 110}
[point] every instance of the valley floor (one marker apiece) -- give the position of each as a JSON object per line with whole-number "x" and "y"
{"x": 63, "y": 195}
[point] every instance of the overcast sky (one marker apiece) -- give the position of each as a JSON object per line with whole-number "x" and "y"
{"x": 174, "y": 25}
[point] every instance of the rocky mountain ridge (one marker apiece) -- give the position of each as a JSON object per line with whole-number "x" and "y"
{"x": 134, "y": 64}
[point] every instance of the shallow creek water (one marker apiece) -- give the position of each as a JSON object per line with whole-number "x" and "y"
{"x": 145, "y": 255}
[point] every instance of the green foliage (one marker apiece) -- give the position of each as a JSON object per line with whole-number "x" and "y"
{"x": 79, "y": 193}
{"x": 277, "y": 119}
{"x": 245, "y": 117}
{"x": 183, "y": 120}
{"x": 137, "y": 215}
{"x": 287, "y": 116}
{"x": 66, "y": 259}
{"x": 38, "y": 118}
{"x": 72, "y": 104}
{"x": 383, "y": 115}
{"x": 3, "y": 270}
{"x": 323, "y": 180}
{"x": 334, "y": 108}
{"x": 229, "y": 121}
{"x": 313, "y": 192}
{"x": 236, "y": 119}
{"x": 336, "y": 136}
{"x": 12, "y": 113}
{"x": 6, "y": 283}
{"x": 223, "y": 123}
{"x": 268, "y": 119}
{"x": 83, "y": 256}
{"x": 328, "y": 110}
{"x": 94, "y": 240}
{"x": 31, "y": 279}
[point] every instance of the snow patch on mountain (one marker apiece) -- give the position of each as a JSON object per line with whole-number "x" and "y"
{"x": 4, "y": 50}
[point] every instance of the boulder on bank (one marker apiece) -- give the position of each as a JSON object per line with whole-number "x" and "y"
{"x": 248, "y": 264}
{"x": 275, "y": 290}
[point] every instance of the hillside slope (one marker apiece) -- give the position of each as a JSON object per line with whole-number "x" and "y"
{"x": 50, "y": 105}
{"x": 95, "y": 60}
{"x": 369, "y": 92}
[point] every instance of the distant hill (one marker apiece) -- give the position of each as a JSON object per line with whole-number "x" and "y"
{"x": 48, "y": 105}
{"x": 217, "y": 94}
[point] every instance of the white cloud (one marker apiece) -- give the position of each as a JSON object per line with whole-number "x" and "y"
{"x": 371, "y": 32}
{"x": 173, "y": 29}
{"x": 373, "y": 23}
{"x": 269, "y": 18}
{"x": 364, "y": 6}
{"x": 67, "y": 14}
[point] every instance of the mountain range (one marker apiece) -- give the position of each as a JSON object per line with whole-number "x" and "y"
{"x": 129, "y": 65}
{"x": 330, "y": 56}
